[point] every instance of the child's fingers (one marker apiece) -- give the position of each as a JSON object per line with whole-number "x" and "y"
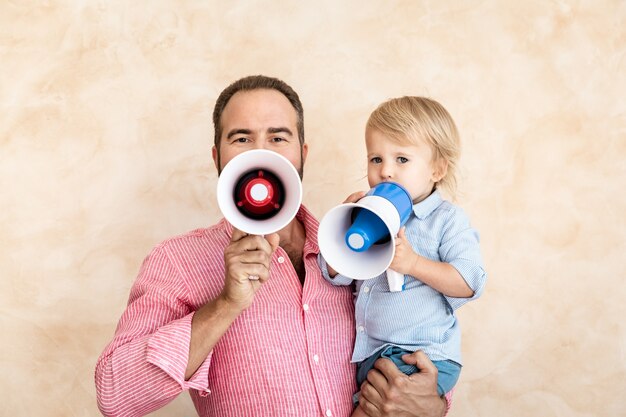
{"x": 401, "y": 238}
{"x": 354, "y": 197}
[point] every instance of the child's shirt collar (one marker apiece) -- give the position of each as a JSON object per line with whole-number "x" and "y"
{"x": 428, "y": 205}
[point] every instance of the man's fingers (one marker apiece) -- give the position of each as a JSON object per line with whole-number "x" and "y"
{"x": 421, "y": 361}
{"x": 387, "y": 368}
{"x": 249, "y": 256}
{"x": 249, "y": 272}
{"x": 367, "y": 407}
{"x": 254, "y": 257}
{"x": 247, "y": 241}
{"x": 252, "y": 243}
{"x": 376, "y": 380}
{"x": 273, "y": 241}
{"x": 237, "y": 235}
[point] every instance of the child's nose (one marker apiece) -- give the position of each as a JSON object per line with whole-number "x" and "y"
{"x": 386, "y": 172}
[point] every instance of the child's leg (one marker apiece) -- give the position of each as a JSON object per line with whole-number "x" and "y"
{"x": 449, "y": 372}
{"x": 392, "y": 353}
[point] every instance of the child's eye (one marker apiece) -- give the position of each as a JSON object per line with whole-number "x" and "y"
{"x": 402, "y": 160}
{"x": 376, "y": 160}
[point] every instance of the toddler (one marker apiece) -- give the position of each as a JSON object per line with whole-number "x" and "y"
{"x": 414, "y": 142}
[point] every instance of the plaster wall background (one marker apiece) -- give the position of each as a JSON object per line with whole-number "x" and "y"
{"x": 105, "y": 138}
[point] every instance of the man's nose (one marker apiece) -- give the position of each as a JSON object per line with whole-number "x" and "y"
{"x": 259, "y": 144}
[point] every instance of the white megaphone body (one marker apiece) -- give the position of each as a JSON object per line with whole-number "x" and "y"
{"x": 358, "y": 239}
{"x": 259, "y": 192}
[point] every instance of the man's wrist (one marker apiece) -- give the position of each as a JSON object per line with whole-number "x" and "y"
{"x": 228, "y": 307}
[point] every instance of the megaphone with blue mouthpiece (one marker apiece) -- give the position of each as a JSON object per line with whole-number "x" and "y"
{"x": 358, "y": 239}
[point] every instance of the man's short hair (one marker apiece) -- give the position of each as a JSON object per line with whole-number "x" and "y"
{"x": 256, "y": 82}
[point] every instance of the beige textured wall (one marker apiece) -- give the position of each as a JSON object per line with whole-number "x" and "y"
{"x": 105, "y": 142}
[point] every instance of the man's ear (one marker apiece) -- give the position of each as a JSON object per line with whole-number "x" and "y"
{"x": 440, "y": 169}
{"x": 214, "y": 154}
{"x": 305, "y": 152}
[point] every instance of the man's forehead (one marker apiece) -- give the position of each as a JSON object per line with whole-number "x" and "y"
{"x": 268, "y": 107}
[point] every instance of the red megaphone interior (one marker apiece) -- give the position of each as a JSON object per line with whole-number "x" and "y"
{"x": 259, "y": 194}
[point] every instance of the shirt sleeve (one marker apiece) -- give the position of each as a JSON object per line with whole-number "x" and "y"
{"x": 337, "y": 280}
{"x": 460, "y": 248}
{"x": 143, "y": 368}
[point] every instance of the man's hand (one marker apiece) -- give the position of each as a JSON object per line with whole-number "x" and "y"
{"x": 388, "y": 392}
{"x": 247, "y": 266}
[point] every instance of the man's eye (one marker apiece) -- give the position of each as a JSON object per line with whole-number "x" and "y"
{"x": 241, "y": 140}
{"x": 278, "y": 139}
{"x": 376, "y": 160}
{"x": 402, "y": 160}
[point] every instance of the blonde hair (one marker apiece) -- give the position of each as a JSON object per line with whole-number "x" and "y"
{"x": 412, "y": 120}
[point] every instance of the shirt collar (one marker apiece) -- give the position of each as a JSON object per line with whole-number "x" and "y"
{"x": 428, "y": 205}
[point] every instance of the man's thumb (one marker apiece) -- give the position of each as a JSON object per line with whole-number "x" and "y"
{"x": 273, "y": 240}
{"x": 421, "y": 361}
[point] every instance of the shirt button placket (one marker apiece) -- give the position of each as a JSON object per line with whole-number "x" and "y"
{"x": 318, "y": 372}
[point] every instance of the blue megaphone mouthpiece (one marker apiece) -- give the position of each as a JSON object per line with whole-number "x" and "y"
{"x": 369, "y": 228}
{"x": 366, "y": 230}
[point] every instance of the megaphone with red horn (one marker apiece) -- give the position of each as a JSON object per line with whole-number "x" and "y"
{"x": 358, "y": 239}
{"x": 259, "y": 192}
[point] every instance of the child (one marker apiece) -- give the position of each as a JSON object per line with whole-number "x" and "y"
{"x": 414, "y": 142}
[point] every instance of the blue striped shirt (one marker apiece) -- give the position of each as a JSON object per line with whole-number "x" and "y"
{"x": 419, "y": 317}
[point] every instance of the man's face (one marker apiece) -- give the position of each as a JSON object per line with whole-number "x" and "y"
{"x": 259, "y": 119}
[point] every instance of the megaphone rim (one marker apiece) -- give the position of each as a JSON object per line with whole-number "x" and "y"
{"x": 267, "y": 160}
{"x": 329, "y": 221}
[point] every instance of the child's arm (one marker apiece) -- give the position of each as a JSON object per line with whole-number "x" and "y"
{"x": 441, "y": 276}
{"x": 330, "y": 274}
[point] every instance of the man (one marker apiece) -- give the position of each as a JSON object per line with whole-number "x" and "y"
{"x": 247, "y": 323}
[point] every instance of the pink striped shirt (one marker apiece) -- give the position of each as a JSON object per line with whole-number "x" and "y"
{"x": 287, "y": 355}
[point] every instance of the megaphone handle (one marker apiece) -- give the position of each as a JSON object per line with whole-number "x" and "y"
{"x": 395, "y": 280}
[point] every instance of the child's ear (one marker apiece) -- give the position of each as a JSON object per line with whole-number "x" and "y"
{"x": 440, "y": 169}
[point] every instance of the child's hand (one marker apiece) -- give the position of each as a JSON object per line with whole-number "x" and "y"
{"x": 354, "y": 197}
{"x": 405, "y": 258}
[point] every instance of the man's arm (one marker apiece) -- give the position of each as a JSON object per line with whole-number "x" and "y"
{"x": 389, "y": 392}
{"x": 160, "y": 347}
{"x": 247, "y": 256}
{"x": 142, "y": 369}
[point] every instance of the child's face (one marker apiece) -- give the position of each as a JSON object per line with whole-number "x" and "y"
{"x": 409, "y": 165}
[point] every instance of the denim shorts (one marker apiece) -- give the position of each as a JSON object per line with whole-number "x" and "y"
{"x": 449, "y": 371}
